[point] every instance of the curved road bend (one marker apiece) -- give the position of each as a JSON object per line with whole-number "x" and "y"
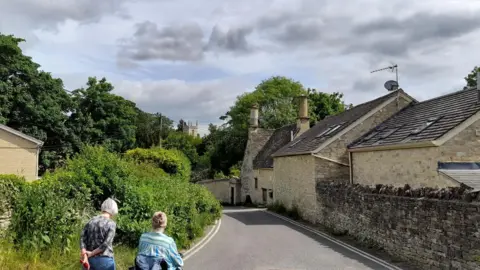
{"x": 251, "y": 239}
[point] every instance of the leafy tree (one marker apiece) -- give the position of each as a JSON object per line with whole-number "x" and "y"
{"x": 185, "y": 143}
{"x": 180, "y": 125}
{"x": 150, "y": 128}
{"x": 34, "y": 102}
{"x": 471, "y": 78}
{"x": 101, "y": 117}
{"x": 323, "y": 104}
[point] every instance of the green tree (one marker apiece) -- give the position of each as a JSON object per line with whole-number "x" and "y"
{"x": 185, "y": 143}
{"x": 34, "y": 102}
{"x": 324, "y": 104}
{"x": 151, "y": 127}
{"x": 101, "y": 117}
{"x": 471, "y": 78}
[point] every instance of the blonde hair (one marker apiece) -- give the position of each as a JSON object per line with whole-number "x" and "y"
{"x": 159, "y": 220}
{"x": 110, "y": 206}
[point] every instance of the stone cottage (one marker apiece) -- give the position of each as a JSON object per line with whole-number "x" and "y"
{"x": 320, "y": 154}
{"x": 19, "y": 153}
{"x": 434, "y": 143}
{"x": 257, "y": 167}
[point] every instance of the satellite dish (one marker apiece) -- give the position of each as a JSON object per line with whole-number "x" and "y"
{"x": 391, "y": 85}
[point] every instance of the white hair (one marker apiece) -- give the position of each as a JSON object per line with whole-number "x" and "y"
{"x": 110, "y": 206}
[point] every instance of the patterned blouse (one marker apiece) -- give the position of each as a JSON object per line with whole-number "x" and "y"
{"x": 99, "y": 233}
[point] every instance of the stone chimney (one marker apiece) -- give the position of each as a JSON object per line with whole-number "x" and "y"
{"x": 254, "y": 116}
{"x": 303, "y": 121}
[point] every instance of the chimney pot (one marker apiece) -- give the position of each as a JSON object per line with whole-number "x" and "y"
{"x": 254, "y": 116}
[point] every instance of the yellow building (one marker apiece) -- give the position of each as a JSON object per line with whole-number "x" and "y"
{"x": 434, "y": 143}
{"x": 19, "y": 153}
{"x": 320, "y": 153}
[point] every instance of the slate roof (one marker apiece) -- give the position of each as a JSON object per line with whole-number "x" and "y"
{"x": 315, "y": 136}
{"x": 279, "y": 138}
{"x": 423, "y": 121}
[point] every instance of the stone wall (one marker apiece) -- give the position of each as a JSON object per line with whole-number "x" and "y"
{"x": 220, "y": 189}
{"x": 18, "y": 156}
{"x": 429, "y": 228}
{"x": 418, "y": 166}
{"x": 264, "y": 181}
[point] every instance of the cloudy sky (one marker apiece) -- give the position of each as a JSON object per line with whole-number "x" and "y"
{"x": 190, "y": 59}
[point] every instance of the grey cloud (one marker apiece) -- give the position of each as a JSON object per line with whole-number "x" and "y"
{"x": 48, "y": 14}
{"x": 183, "y": 42}
{"x": 180, "y": 43}
{"x": 233, "y": 40}
{"x": 397, "y": 37}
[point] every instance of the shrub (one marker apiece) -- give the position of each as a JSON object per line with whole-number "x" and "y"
{"x": 172, "y": 161}
{"x": 10, "y": 188}
{"x": 48, "y": 212}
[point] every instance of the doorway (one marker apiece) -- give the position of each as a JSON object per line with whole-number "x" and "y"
{"x": 232, "y": 195}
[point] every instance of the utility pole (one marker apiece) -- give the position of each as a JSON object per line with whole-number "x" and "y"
{"x": 160, "y": 134}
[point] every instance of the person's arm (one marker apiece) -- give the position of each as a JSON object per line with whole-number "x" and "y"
{"x": 107, "y": 242}
{"x": 174, "y": 255}
{"x": 83, "y": 246}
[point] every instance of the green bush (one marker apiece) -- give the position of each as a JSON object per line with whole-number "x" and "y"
{"x": 50, "y": 211}
{"x": 172, "y": 161}
{"x": 11, "y": 187}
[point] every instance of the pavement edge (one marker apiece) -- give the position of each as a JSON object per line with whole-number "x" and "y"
{"x": 198, "y": 246}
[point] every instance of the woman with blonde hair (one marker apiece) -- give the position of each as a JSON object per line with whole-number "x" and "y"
{"x": 156, "y": 250}
{"x": 96, "y": 241}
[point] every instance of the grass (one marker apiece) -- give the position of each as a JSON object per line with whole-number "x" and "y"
{"x": 13, "y": 258}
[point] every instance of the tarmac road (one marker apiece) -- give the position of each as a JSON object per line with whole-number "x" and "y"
{"x": 252, "y": 239}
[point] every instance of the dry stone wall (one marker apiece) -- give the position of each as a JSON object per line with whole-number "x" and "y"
{"x": 430, "y": 228}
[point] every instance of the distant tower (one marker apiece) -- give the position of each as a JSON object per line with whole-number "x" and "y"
{"x": 190, "y": 129}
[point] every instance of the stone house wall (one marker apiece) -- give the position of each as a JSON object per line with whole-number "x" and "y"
{"x": 264, "y": 181}
{"x": 416, "y": 166}
{"x": 294, "y": 184}
{"x": 257, "y": 137}
{"x": 427, "y": 232}
{"x": 18, "y": 156}
{"x": 338, "y": 149}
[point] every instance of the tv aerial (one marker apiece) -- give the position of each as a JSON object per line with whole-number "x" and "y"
{"x": 390, "y": 85}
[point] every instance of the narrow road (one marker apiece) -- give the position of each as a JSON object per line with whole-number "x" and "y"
{"x": 251, "y": 239}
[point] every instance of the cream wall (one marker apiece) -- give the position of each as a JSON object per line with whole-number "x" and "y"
{"x": 294, "y": 184}
{"x": 338, "y": 149}
{"x": 265, "y": 180}
{"x": 418, "y": 166}
{"x": 18, "y": 156}
{"x": 219, "y": 188}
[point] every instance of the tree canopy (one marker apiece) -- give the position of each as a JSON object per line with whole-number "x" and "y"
{"x": 471, "y": 78}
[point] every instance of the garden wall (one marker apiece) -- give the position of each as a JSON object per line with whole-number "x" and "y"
{"x": 432, "y": 229}
{"x": 219, "y": 188}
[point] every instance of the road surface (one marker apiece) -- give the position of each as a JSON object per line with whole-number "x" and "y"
{"x": 252, "y": 239}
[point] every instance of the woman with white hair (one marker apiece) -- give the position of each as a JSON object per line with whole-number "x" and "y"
{"x": 96, "y": 241}
{"x": 156, "y": 250}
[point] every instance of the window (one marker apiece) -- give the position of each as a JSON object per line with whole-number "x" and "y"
{"x": 388, "y": 133}
{"x": 256, "y": 183}
{"x": 429, "y": 122}
{"x": 293, "y": 144}
{"x": 270, "y": 194}
{"x": 329, "y": 130}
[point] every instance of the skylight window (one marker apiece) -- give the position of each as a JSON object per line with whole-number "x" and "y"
{"x": 295, "y": 143}
{"x": 371, "y": 135}
{"x": 329, "y": 130}
{"x": 388, "y": 133}
{"x": 429, "y": 122}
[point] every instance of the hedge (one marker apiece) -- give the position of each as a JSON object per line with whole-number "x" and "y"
{"x": 52, "y": 210}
